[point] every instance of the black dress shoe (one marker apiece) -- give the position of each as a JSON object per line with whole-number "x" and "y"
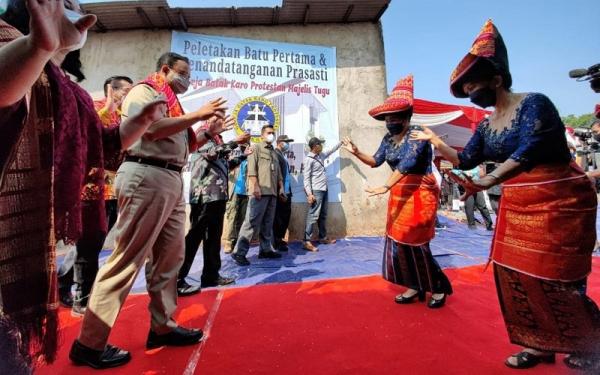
{"x": 184, "y": 289}
{"x": 240, "y": 260}
{"x": 401, "y": 299}
{"x": 268, "y": 255}
{"x": 219, "y": 282}
{"x": 178, "y": 337}
{"x": 437, "y": 303}
{"x": 66, "y": 298}
{"x": 111, "y": 356}
{"x": 528, "y": 360}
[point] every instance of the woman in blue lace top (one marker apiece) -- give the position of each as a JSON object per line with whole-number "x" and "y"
{"x": 546, "y": 227}
{"x": 412, "y": 204}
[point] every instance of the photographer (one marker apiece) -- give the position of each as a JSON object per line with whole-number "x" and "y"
{"x": 208, "y": 196}
{"x": 595, "y": 133}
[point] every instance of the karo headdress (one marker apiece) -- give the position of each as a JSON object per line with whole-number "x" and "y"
{"x": 488, "y": 49}
{"x": 401, "y": 99}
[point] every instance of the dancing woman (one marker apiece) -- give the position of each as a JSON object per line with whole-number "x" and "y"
{"x": 412, "y": 204}
{"x": 545, "y": 232}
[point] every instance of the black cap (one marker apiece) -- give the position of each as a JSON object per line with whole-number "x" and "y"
{"x": 314, "y": 141}
{"x": 284, "y": 138}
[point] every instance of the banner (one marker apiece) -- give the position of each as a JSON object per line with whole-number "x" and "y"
{"x": 290, "y": 86}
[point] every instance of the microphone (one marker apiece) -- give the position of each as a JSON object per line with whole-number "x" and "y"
{"x": 578, "y": 73}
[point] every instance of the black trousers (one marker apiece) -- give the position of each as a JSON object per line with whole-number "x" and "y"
{"x": 80, "y": 265}
{"x": 207, "y": 226}
{"x": 477, "y": 201}
{"x": 283, "y": 212}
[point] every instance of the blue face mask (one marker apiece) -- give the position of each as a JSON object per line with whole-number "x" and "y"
{"x": 286, "y": 146}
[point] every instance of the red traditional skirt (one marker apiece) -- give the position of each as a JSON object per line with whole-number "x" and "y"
{"x": 546, "y": 224}
{"x": 412, "y": 208}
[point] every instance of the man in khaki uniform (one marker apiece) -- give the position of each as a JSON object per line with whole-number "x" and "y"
{"x": 265, "y": 183}
{"x": 151, "y": 220}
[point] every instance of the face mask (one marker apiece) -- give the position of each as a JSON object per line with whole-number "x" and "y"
{"x": 395, "y": 128}
{"x": 270, "y": 138}
{"x": 73, "y": 17}
{"x": 286, "y": 146}
{"x": 179, "y": 83}
{"x": 3, "y": 6}
{"x": 597, "y": 137}
{"x": 483, "y": 97}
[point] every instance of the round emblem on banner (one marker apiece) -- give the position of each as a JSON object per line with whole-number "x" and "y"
{"x": 252, "y": 113}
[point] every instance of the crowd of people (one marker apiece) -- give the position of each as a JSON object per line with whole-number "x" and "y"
{"x": 73, "y": 168}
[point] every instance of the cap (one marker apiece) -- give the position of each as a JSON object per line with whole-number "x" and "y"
{"x": 314, "y": 141}
{"x": 284, "y": 138}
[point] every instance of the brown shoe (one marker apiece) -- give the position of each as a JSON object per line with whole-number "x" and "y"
{"x": 326, "y": 241}
{"x": 309, "y": 246}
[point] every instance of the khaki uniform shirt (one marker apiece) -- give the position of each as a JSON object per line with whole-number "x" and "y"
{"x": 263, "y": 163}
{"x": 173, "y": 149}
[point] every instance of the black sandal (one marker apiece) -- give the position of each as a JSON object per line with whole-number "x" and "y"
{"x": 580, "y": 363}
{"x": 529, "y": 360}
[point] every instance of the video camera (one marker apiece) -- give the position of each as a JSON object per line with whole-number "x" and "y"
{"x": 591, "y": 74}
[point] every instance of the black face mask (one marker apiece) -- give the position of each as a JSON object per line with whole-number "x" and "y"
{"x": 395, "y": 129}
{"x": 484, "y": 97}
{"x": 596, "y": 137}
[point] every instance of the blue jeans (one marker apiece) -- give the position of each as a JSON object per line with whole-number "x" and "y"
{"x": 317, "y": 213}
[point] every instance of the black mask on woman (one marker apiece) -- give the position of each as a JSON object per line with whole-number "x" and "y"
{"x": 395, "y": 128}
{"x": 483, "y": 97}
{"x": 596, "y": 137}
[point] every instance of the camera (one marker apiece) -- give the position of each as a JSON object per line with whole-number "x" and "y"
{"x": 589, "y": 143}
{"x": 221, "y": 151}
{"x": 591, "y": 74}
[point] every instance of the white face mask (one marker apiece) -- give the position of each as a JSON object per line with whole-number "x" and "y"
{"x": 73, "y": 17}
{"x": 270, "y": 138}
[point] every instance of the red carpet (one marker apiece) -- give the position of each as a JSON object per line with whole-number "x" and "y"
{"x": 342, "y": 326}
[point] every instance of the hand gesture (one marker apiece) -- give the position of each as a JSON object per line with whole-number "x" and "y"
{"x": 249, "y": 150}
{"x": 242, "y": 138}
{"x": 215, "y": 107}
{"x": 110, "y": 105}
{"x": 471, "y": 187}
{"x": 51, "y": 30}
{"x": 349, "y": 146}
{"x": 376, "y": 191}
{"x": 425, "y": 134}
{"x": 218, "y": 125}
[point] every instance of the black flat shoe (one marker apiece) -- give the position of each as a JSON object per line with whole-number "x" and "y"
{"x": 240, "y": 260}
{"x": 221, "y": 281}
{"x": 269, "y": 255}
{"x": 437, "y": 303}
{"x": 110, "y": 357}
{"x": 529, "y": 360}
{"x": 401, "y": 299}
{"x": 178, "y": 337}
{"x": 184, "y": 289}
{"x": 581, "y": 363}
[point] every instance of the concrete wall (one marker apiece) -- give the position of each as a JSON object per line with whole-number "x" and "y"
{"x": 361, "y": 85}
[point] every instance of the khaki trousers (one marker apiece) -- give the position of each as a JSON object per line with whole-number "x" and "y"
{"x": 151, "y": 225}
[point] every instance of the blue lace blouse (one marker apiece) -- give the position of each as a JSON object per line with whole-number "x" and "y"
{"x": 536, "y": 136}
{"x": 408, "y": 157}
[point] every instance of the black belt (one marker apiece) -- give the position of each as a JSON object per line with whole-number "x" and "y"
{"x": 154, "y": 163}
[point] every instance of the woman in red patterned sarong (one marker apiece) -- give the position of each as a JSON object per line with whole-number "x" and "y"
{"x": 413, "y": 201}
{"x": 545, "y": 232}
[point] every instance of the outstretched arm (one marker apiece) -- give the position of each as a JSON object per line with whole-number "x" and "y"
{"x": 349, "y": 146}
{"x": 391, "y": 181}
{"x": 23, "y": 59}
{"x": 428, "y": 135}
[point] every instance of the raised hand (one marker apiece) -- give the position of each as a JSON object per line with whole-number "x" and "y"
{"x": 110, "y": 105}
{"x": 422, "y": 135}
{"x": 376, "y": 191}
{"x": 242, "y": 138}
{"x": 51, "y": 30}
{"x": 215, "y": 107}
{"x": 349, "y": 146}
{"x": 221, "y": 124}
{"x": 249, "y": 150}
